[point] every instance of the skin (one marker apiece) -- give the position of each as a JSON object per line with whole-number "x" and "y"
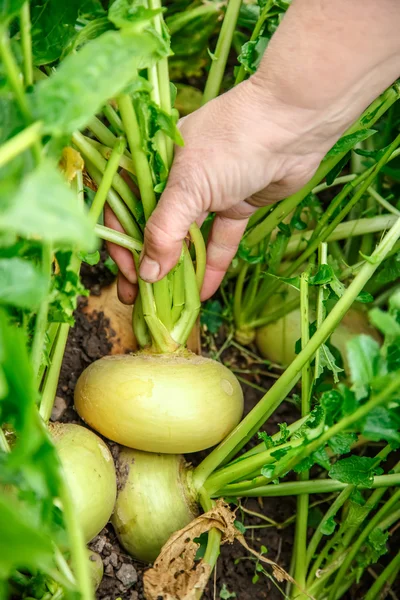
{"x": 264, "y": 139}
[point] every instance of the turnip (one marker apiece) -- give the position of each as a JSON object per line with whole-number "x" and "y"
{"x": 160, "y": 403}
{"x": 90, "y": 475}
{"x": 276, "y": 341}
{"x": 153, "y": 501}
{"x": 96, "y": 568}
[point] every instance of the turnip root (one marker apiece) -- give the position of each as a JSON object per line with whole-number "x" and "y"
{"x": 90, "y": 475}
{"x": 170, "y": 403}
{"x": 153, "y": 501}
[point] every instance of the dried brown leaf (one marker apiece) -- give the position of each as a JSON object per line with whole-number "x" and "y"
{"x": 176, "y": 575}
{"x": 70, "y": 163}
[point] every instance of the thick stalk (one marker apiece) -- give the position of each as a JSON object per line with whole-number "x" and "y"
{"x": 200, "y": 251}
{"x": 238, "y": 295}
{"x": 142, "y": 167}
{"x": 389, "y": 504}
{"x": 77, "y": 544}
{"x": 298, "y": 241}
{"x": 20, "y": 142}
{"x": 370, "y": 116}
{"x": 139, "y": 324}
{"x": 123, "y": 189}
{"x": 300, "y": 537}
{"x": 271, "y": 400}
{"x": 322, "y": 260}
{"x": 178, "y": 292}
{"x": 114, "y": 119}
{"x": 116, "y": 204}
{"x": 256, "y": 32}
{"x": 125, "y": 162}
{"x": 220, "y": 57}
{"x": 190, "y": 312}
{"x": 53, "y": 373}
{"x": 119, "y": 238}
{"x": 107, "y": 180}
{"x": 101, "y": 131}
{"x": 41, "y": 317}
{"x": 387, "y": 577}
{"x": 286, "y": 308}
{"x": 26, "y": 43}
{"x": 295, "y": 488}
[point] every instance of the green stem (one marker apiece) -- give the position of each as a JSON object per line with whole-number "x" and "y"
{"x": 41, "y": 317}
{"x": 275, "y": 315}
{"x": 116, "y": 204}
{"x": 387, "y": 577}
{"x": 221, "y": 54}
{"x": 200, "y": 251}
{"x": 178, "y": 291}
{"x": 4, "y": 445}
{"x": 295, "y": 488}
{"x": 322, "y": 260}
{"x": 376, "y": 196}
{"x": 125, "y": 162}
{"x": 20, "y": 142}
{"x": 389, "y": 504}
{"x": 107, "y": 180}
{"x": 278, "y": 392}
{"x": 238, "y": 295}
{"x": 190, "y": 312}
{"x": 256, "y": 32}
{"x": 53, "y": 373}
{"x": 77, "y": 544}
{"x": 370, "y": 116}
{"x": 123, "y": 189}
{"x": 101, "y": 131}
{"x": 300, "y": 537}
{"x": 251, "y": 291}
{"x": 26, "y": 43}
{"x": 333, "y": 509}
{"x": 13, "y": 74}
{"x": 142, "y": 167}
{"x": 139, "y": 324}
{"x": 214, "y": 536}
{"x": 119, "y": 238}
{"x": 114, "y": 119}
{"x": 298, "y": 242}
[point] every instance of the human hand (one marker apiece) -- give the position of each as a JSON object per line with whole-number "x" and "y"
{"x": 243, "y": 150}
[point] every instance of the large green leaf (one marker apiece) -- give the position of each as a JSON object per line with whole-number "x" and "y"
{"x": 22, "y": 545}
{"x": 9, "y": 9}
{"x": 21, "y": 283}
{"x": 53, "y": 27}
{"x": 87, "y": 79}
{"x": 44, "y": 207}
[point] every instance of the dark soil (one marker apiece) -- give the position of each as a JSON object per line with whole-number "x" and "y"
{"x": 235, "y": 572}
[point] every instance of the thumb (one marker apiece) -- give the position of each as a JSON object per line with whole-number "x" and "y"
{"x": 168, "y": 226}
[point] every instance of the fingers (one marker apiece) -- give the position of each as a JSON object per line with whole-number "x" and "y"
{"x": 225, "y": 237}
{"x": 126, "y": 291}
{"x": 167, "y": 228}
{"x": 121, "y": 256}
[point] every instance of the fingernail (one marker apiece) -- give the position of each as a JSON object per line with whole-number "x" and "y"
{"x": 149, "y": 269}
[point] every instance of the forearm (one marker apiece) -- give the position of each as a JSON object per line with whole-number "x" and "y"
{"x": 333, "y": 56}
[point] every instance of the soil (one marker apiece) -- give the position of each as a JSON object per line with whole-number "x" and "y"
{"x": 89, "y": 340}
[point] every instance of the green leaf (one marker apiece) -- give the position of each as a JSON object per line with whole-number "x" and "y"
{"x": 66, "y": 287}
{"x": 328, "y": 526}
{"x": 385, "y": 322}
{"x": 21, "y": 283}
{"x": 239, "y": 526}
{"x": 382, "y": 423}
{"x": 131, "y": 13}
{"x": 9, "y": 9}
{"x": 341, "y": 443}
{"x": 327, "y": 361}
{"x": 86, "y": 80}
{"x": 91, "y": 258}
{"x": 347, "y": 142}
{"x": 53, "y": 213}
{"x": 363, "y": 357}
{"x": 111, "y": 266}
{"x": 53, "y": 27}
{"x": 225, "y": 594}
{"x": 337, "y": 169}
{"x": 331, "y": 402}
{"x": 376, "y": 545}
{"x": 357, "y": 470}
{"x": 324, "y": 275}
{"x": 390, "y": 270}
{"x": 364, "y": 298}
{"x": 211, "y": 316}
{"x": 22, "y": 543}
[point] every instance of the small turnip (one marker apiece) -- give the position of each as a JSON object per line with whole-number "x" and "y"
{"x": 154, "y": 500}
{"x": 90, "y": 474}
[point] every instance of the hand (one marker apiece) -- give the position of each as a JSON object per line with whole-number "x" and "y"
{"x": 242, "y": 150}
